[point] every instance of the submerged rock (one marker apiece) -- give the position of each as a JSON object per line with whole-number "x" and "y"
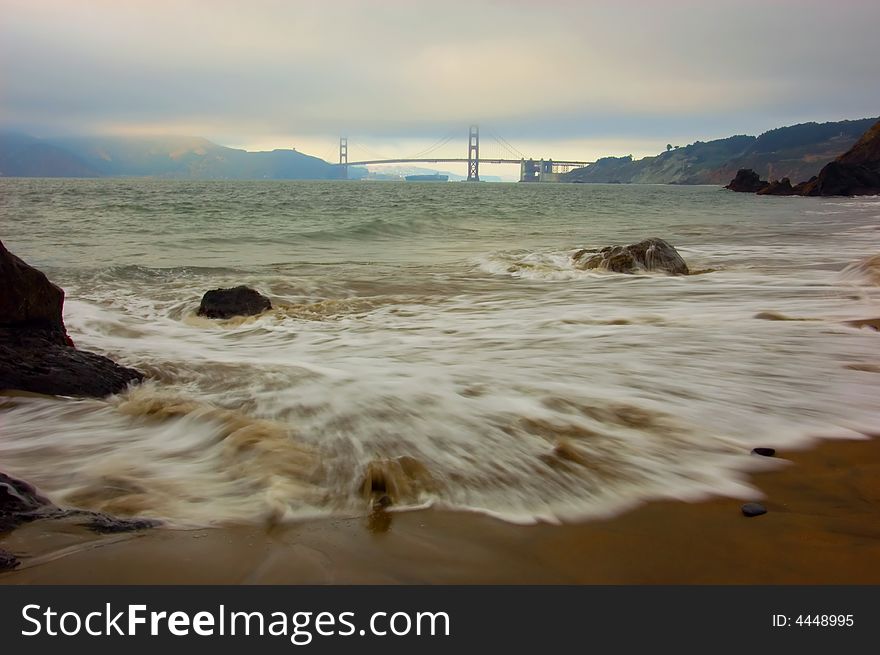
{"x": 747, "y": 181}
{"x": 237, "y": 301}
{"x": 106, "y": 524}
{"x": 649, "y": 255}
{"x": 36, "y": 354}
{"x": 20, "y": 502}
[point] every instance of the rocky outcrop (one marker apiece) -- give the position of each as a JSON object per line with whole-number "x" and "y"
{"x": 649, "y": 255}
{"x": 800, "y": 189}
{"x": 866, "y": 151}
{"x": 842, "y": 179}
{"x": 31, "y": 361}
{"x": 237, "y": 301}
{"x": 778, "y": 188}
{"x": 28, "y": 300}
{"x": 747, "y": 181}
{"x": 854, "y": 173}
{"x": 36, "y": 354}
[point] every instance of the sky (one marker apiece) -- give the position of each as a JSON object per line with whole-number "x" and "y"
{"x": 561, "y": 79}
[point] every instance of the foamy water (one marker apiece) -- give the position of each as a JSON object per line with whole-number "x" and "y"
{"x": 438, "y": 337}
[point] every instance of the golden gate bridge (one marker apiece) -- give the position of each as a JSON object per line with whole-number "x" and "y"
{"x": 531, "y": 170}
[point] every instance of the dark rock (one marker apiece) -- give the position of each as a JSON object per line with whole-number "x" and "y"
{"x": 777, "y": 188}
{"x": 747, "y": 181}
{"x": 382, "y": 502}
{"x": 764, "y": 452}
{"x": 8, "y": 561}
{"x": 33, "y": 361}
{"x": 21, "y": 503}
{"x": 649, "y": 255}
{"x": 36, "y": 354}
{"x": 105, "y": 524}
{"x": 753, "y": 509}
{"x": 28, "y": 300}
{"x": 800, "y": 189}
{"x": 237, "y": 301}
{"x": 840, "y": 179}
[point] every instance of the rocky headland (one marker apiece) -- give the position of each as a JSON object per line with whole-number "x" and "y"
{"x": 797, "y": 152}
{"x": 854, "y": 173}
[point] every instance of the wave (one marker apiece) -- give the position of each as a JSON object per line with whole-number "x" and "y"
{"x": 386, "y": 228}
{"x": 865, "y": 271}
{"x": 551, "y": 265}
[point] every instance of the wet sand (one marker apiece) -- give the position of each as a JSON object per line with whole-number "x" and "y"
{"x": 822, "y": 526}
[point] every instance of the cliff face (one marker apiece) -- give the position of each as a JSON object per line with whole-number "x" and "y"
{"x": 797, "y": 152}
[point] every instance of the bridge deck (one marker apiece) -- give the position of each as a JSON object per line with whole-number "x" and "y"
{"x": 461, "y": 160}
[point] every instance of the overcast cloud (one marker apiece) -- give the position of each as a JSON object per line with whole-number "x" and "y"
{"x": 584, "y": 78}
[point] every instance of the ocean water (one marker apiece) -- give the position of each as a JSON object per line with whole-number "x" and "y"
{"x": 434, "y": 342}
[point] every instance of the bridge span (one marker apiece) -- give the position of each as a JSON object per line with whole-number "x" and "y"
{"x": 531, "y": 170}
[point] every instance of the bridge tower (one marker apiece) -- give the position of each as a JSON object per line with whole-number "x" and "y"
{"x": 474, "y": 154}
{"x": 343, "y": 156}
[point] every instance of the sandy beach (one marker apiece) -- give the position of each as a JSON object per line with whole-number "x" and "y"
{"x": 821, "y": 527}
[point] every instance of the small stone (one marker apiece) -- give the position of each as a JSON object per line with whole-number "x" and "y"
{"x": 764, "y": 452}
{"x": 104, "y": 524}
{"x": 753, "y": 509}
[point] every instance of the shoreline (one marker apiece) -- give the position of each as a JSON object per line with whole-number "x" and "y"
{"x": 822, "y": 527}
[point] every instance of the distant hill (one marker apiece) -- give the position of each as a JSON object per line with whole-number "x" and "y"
{"x": 797, "y": 152}
{"x": 172, "y": 157}
{"x": 24, "y": 156}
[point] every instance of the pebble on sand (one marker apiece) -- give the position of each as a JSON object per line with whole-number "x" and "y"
{"x": 753, "y": 509}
